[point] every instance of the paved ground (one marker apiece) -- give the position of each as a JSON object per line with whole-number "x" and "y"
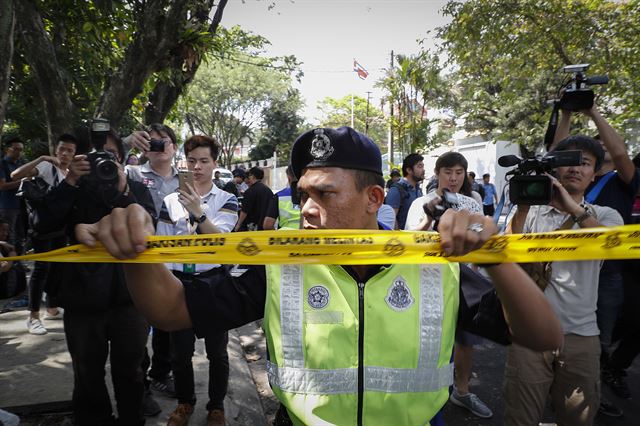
{"x": 35, "y": 374}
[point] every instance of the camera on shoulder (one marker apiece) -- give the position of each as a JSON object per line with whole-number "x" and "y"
{"x": 528, "y": 184}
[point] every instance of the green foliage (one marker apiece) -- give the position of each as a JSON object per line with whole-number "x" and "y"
{"x": 507, "y": 58}
{"x": 228, "y": 98}
{"x": 337, "y": 113}
{"x": 280, "y": 127}
{"x": 414, "y": 85}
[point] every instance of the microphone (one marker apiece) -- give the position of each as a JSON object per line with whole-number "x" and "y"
{"x": 508, "y": 160}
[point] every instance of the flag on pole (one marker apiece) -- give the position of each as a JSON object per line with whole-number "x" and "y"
{"x": 362, "y": 73}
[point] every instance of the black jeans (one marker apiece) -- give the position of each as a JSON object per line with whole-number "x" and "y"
{"x": 41, "y": 271}
{"x": 182, "y": 347}
{"x": 120, "y": 333}
{"x": 160, "y": 361}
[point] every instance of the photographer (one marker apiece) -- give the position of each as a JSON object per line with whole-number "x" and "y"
{"x": 615, "y": 186}
{"x": 159, "y": 144}
{"x": 53, "y": 170}
{"x": 453, "y": 192}
{"x": 570, "y": 375}
{"x": 100, "y": 319}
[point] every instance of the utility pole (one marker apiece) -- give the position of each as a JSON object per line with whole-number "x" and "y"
{"x": 391, "y": 118}
{"x": 352, "y": 120}
{"x": 366, "y": 116}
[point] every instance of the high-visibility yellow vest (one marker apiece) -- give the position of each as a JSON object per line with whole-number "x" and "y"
{"x": 374, "y": 353}
{"x": 288, "y": 213}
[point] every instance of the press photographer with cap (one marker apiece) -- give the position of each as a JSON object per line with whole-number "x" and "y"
{"x": 336, "y": 355}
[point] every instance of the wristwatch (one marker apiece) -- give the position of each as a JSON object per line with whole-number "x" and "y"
{"x": 201, "y": 218}
{"x": 579, "y": 219}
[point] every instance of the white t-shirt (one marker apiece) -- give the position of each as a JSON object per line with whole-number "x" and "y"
{"x": 573, "y": 287}
{"x": 220, "y": 207}
{"x": 48, "y": 172}
{"x": 416, "y": 213}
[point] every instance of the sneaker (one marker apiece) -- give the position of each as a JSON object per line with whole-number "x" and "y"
{"x": 607, "y": 408}
{"x": 150, "y": 406}
{"x": 472, "y": 403}
{"x": 165, "y": 386}
{"x": 57, "y": 316}
{"x": 180, "y": 416}
{"x": 216, "y": 418}
{"x": 35, "y": 327}
{"x": 616, "y": 381}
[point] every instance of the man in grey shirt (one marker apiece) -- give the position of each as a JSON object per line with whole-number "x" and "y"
{"x": 570, "y": 375}
{"x": 160, "y": 176}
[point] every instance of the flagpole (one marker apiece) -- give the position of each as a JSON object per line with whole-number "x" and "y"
{"x": 352, "y": 112}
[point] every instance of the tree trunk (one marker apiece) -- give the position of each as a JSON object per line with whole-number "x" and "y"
{"x": 41, "y": 56}
{"x": 7, "y": 25}
{"x": 184, "y": 67}
{"x": 159, "y": 28}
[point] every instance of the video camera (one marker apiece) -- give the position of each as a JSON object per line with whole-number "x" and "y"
{"x": 104, "y": 165}
{"x": 529, "y": 186}
{"x": 578, "y": 94}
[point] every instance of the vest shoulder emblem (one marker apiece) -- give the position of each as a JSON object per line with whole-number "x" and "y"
{"x": 399, "y": 296}
{"x": 318, "y": 297}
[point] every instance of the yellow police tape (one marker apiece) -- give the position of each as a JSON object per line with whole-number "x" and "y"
{"x": 360, "y": 247}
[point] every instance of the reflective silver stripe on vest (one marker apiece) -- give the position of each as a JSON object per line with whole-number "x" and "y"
{"x": 293, "y": 377}
{"x": 308, "y": 381}
{"x": 395, "y": 380}
{"x": 427, "y": 377}
{"x": 291, "y": 299}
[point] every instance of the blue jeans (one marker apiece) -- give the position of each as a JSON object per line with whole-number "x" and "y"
{"x": 610, "y": 299}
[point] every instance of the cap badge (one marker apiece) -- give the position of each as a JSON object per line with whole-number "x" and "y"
{"x": 321, "y": 147}
{"x": 399, "y": 296}
{"x": 318, "y": 296}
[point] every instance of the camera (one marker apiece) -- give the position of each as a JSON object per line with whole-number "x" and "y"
{"x": 449, "y": 200}
{"x": 529, "y": 186}
{"x": 156, "y": 145}
{"x": 104, "y": 165}
{"x": 578, "y": 94}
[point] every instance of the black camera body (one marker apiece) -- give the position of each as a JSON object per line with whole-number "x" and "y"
{"x": 156, "y": 145}
{"x": 449, "y": 200}
{"x": 578, "y": 94}
{"x": 104, "y": 174}
{"x": 529, "y": 185}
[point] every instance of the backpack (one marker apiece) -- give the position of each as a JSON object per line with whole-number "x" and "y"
{"x": 402, "y": 189}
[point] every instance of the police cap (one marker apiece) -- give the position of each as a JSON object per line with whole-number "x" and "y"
{"x": 343, "y": 147}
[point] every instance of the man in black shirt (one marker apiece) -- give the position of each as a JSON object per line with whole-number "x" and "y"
{"x": 341, "y": 187}
{"x": 100, "y": 320}
{"x": 255, "y": 203}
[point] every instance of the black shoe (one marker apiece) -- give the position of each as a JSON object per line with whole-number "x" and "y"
{"x": 616, "y": 381}
{"x": 165, "y": 386}
{"x": 607, "y": 408}
{"x": 150, "y": 406}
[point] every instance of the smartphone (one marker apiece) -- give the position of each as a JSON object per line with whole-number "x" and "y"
{"x": 184, "y": 177}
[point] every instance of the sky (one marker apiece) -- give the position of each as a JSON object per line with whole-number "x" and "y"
{"x": 327, "y": 35}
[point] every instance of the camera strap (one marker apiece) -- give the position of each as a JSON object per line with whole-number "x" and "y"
{"x": 551, "y": 127}
{"x": 595, "y": 191}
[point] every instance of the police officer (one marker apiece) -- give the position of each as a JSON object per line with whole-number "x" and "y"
{"x": 284, "y": 207}
{"x": 336, "y": 355}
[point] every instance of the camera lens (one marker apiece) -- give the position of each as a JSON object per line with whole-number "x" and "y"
{"x": 534, "y": 189}
{"x": 106, "y": 170}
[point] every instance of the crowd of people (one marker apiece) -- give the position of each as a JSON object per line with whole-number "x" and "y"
{"x": 566, "y": 323}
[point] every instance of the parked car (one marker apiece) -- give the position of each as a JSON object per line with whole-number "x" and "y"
{"x": 225, "y": 174}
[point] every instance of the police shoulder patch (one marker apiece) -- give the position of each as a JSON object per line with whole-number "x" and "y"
{"x": 399, "y": 296}
{"x": 318, "y": 296}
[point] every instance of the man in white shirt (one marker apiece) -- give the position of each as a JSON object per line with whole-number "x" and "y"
{"x": 570, "y": 375}
{"x": 200, "y": 209}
